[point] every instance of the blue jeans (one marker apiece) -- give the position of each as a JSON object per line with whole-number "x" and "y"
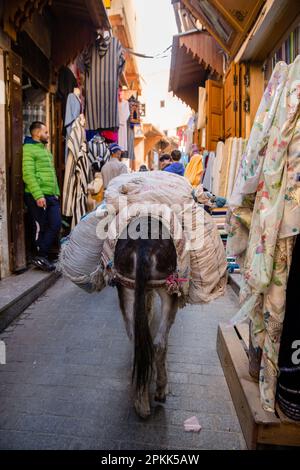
{"x": 46, "y": 223}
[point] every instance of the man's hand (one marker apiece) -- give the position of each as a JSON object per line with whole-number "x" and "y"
{"x": 41, "y": 202}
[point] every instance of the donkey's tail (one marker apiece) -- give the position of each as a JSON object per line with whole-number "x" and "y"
{"x": 143, "y": 345}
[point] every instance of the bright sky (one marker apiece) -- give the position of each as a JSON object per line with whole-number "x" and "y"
{"x": 156, "y": 26}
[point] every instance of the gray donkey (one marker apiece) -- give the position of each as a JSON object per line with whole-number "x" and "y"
{"x": 142, "y": 265}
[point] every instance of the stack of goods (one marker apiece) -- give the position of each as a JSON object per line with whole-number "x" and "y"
{"x": 263, "y": 226}
{"x": 165, "y": 196}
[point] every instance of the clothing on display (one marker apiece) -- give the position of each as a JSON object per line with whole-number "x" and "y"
{"x": 201, "y": 119}
{"x": 124, "y": 114}
{"x": 130, "y": 140}
{"x": 98, "y": 151}
{"x": 266, "y": 196}
{"x": 208, "y": 174}
{"x": 73, "y": 110}
{"x": 217, "y": 167}
{"x": 77, "y": 174}
{"x": 102, "y": 81}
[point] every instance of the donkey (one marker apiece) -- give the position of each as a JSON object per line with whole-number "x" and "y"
{"x": 142, "y": 266}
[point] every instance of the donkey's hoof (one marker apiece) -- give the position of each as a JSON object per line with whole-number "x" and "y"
{"x": 160, "y": 398}
{"x": 141, "y": 411}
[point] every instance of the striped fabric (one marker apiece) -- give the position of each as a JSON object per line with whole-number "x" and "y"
{"x": 76, "y": 174}
{"x": 102, "y": 83}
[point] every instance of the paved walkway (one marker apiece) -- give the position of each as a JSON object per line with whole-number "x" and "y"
{"x": 66, "y": 384}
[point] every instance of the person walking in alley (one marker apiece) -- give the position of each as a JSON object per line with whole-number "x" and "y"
{"x": 194, "y": 169}
{"x": 165, "y": 160}
{"x": 114, "y": 167}
{"x": 175, "y": 167}
{"x": 41, "y": 193}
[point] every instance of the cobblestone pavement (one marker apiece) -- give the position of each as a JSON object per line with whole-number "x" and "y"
{"x": 67, "y": 381}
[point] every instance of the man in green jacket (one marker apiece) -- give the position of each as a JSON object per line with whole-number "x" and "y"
{"x": 41, "y": 193}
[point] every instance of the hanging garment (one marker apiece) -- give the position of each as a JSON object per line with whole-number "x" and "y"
{"x": 288, "y": 387}
{"x": 201, "y": 121}
{"x": 232, "y": 166}
{"x": 251, "y": 166}
{"x": 124, "y": 114}
{"x": 98, "y": 153}
{"x": 224, "y": 170}
{"x": 102, "y": 83}
{"x": 274, "y": 218}
{"x": 73, "y": 110}
{"x": 217, "y": 168}
{"x": 207, "y": 180}
{"x": 76, "y": 174}
{"x": 130, "y": 141}
{"x": 194, "y": 170}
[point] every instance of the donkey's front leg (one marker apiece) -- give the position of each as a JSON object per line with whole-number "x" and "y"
{"x": 169, "y": 307}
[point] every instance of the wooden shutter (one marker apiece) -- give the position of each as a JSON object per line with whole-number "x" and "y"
{"x": 231, "y": 102}
{"x": 214, "y": 113}
{"x": 13, "y": 67}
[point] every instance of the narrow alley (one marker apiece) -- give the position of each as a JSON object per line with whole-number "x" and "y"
{"x": 67, "y": 381}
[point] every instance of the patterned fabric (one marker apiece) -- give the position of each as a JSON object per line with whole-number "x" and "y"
{"x": 76, "y": 174}
{"x": 268, "y": 175}
{"x": 102, "y": 82}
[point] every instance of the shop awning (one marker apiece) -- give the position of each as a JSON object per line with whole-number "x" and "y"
{"x": 196, "y": 57}
{"x": 73, "y": 23}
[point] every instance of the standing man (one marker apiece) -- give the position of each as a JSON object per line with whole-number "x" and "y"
{"x": 41, "y": 193}
{"x": 113, "y": 167}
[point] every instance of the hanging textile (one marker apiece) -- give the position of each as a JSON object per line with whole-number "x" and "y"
{"x": 224, "y": 169}
{"x": 130, "y": 141}
{"x": 269, "y": 168}
{"x": 73, "y": 109}
{"x": 201, "y": 121}
{"x": 207, "y": 180}
{"x": 76, "y": 174}
{"x": 124, "y": 114}
{"x": 98, "y": 151}
{"x": 232, "y": 166}
{"x": 102, "y": 81}
{"x": 217, "y": 168}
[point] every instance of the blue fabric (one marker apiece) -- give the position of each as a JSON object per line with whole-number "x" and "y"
{"x": 46, "y": 223}
{"x": 90, "y": 134}
{"x": 176, "y": 168}
{"x": 29, "y": 140}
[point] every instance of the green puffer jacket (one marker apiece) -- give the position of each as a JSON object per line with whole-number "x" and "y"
{"x": 38, "y": 170}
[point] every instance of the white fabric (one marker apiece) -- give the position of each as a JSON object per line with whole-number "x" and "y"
{"x": 201, "y": 108}
{"x": 124, "y": 114}
{"x": 217, "y": 168}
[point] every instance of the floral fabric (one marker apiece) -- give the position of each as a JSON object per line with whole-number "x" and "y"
{"x": 269, "y": 174}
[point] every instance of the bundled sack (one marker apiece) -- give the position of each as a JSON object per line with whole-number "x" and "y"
{"x": 155, "y": 187}
{"x": 208, "y": 261}
{"x": 80, "y": 255}
{"x": 208, "y": 264}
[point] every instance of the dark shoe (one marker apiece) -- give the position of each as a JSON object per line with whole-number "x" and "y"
{"x": 43, "y": 263}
